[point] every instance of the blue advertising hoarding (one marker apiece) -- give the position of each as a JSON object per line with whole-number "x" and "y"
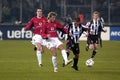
{"x": 14, "y": 33}
{"x": 114, "y": 33}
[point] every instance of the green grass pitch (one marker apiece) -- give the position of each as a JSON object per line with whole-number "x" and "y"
{"x": 18, "y": 62}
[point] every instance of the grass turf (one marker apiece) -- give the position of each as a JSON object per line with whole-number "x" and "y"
{"x": 18, "y": 62}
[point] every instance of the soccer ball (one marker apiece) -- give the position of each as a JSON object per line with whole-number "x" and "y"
{"x": 89, "y": 62}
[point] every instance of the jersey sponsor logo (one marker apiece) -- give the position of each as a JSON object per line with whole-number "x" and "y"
{"x": 76, "y": 33}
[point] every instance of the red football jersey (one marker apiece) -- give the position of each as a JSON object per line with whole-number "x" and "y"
{"x": 51, "y": 29}
{"x": 37, "y": 23}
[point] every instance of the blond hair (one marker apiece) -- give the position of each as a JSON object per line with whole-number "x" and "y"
{"x": 96, "y": 12}
{"x": 50, "y": 14}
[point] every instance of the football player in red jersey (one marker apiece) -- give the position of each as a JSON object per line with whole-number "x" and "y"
{"x": 52, "y": 41}
{"x": 37, "y": 23}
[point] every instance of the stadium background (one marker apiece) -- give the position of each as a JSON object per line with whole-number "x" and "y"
{"x": 19, "y": 12}
{"x": 23, "y": 10}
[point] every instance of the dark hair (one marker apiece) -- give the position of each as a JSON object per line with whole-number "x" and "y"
{"x": 77, "y": 19}
{"x": 36, "y": 10}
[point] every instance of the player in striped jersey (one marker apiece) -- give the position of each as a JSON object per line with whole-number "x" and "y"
{"x": 101, "y": 22}
{"x": 74, "y": 32}
{"x": 94, "y": 29}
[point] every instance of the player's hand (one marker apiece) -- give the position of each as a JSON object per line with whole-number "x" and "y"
{"x": 105, "y": 30}
{"x": 71, "y": 35}
{"x": 86, "y": 35}
{"x": 48, "y": 36}
{"x": 87, "y": 25}
{"x": 91, "y": 32}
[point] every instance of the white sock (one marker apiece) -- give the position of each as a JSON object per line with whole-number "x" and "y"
{"x": 39, "y": 57}
{"x": 64, "y": 55}
{"x": 54, "y": 61}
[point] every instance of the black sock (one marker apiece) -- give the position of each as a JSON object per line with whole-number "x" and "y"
{"x": 35, "y": 48}
{"x": 67, "y": 54}
{"x": 75, "y": 61}
{"x": 100, "y": 42}
{"x": 93, "y": 54}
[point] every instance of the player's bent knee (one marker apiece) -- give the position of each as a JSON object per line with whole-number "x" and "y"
{"x": 61, "y": 47}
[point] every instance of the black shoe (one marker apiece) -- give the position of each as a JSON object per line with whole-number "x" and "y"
{"x": 75, "y": 67}
{"x": 101, "y": 45}
{"x": 63, "y": 65}
{"x": 68, "y": 54}
{"x": 40, "y": 65}
{"x": 87, "y": 48}
{"x": 67, "y": 63}
{"x": 35, "y": 48}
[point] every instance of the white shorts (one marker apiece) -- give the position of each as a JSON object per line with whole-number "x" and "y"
{"x": 53, "y": 42}
{"x": 38, "y": 39}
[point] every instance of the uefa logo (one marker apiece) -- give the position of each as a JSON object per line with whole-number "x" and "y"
{"x": 1, "y": 35}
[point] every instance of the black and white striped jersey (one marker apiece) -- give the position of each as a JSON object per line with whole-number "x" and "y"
{"x": 95, "y": 27}
{"x": 75, "y": 31}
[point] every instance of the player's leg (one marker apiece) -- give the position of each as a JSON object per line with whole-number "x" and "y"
{"x": 68, "y": 53}
{"x": 75, "y": 59}
{"x": 68, "y": 47}
{"x": 36, "y": 40}
{"x": 100, "y": 39}
{"x": 75, "y": 51}
{"x": 50, "y": 46}
{"x": 95, "y": 46}
{"x": 54, "y": 56}
{"x": 58, "y": 44}
{"x": 87, "y": 45}
{"x": 64, "y": 54}
{"x": 39, "y": 53}
{"x": 94, "y": 51}
{"x": 35, "y": 48}
{"x": 91, "y": 46}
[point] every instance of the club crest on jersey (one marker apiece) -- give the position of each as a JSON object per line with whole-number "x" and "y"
{"x": 43, "y": 21}
{"x": 54, "y": 25}
{"x": 40, "y": 24}
{"x": 52, "y": 28}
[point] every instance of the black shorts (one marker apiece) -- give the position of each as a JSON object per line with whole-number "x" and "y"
{"x": 74, "y": 47}
{"x": 93, "y": 39}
